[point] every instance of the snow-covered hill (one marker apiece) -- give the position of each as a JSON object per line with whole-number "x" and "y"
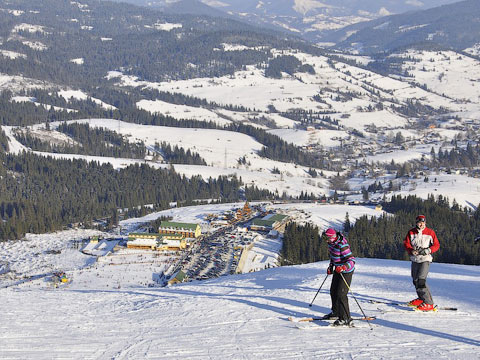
{"x": 213, "y": 145}
{"x": 240, "y": 317}
{"x": 109, "y": 310}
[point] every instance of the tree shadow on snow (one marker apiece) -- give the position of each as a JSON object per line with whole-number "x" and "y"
{"x": 283, "y": 308}
{"x": 428, "y": 332}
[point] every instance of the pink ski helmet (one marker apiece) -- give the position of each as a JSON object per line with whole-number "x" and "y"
{"x": 331, "y": 234}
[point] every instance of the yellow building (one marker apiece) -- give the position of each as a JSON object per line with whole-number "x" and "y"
{"x": 159, "y": 242}
{"x": 184, "y": 229}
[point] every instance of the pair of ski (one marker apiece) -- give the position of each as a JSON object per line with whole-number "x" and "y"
{"x": 323, "y": 322}
{"x": 406, "y": 307}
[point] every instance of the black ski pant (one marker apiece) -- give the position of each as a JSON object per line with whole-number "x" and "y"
{"x": 419, "y": 276}
{"x": 338, "y": 293}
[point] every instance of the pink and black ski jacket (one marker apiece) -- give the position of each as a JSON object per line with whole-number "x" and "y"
{"x": 340, "y": 253}
{"x": 417, "y": 240}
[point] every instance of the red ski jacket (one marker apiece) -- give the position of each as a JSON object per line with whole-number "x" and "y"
{"x": 416, "y": 240}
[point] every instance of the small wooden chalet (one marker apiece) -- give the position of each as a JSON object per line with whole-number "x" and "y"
{"x": 243, "y": 212}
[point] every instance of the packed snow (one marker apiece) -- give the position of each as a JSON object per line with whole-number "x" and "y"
{"x": 78, "y": 61}
{"x": 108, "y": 310}
{"x": 35, "y": 45}
{"x": 80, "y": 95}
{"x": 167, "y": 26}
{"x": 12, "y": 54}
{"x": 29, "y": 28}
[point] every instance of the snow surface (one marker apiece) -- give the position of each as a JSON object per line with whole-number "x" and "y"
{"x": 324, "y": 137}
{"x": 78, "y": 61}
{"x": 12, "y": 54}
{"x": 304, "y": 6}
{"x": 109, "y": 311}
{"x": 181, "y": 111}
{"x": 17, "y": 83}
{"x": 35, "y": 45}
{"x": 29, "y": 28}
{"x": 80, "y": 95}
{"x": 167, "y": 26}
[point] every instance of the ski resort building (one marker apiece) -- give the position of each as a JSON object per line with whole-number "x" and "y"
{"x": 100, "y": 247}
{"x": 269, "y": 222}
{"x": 159, "y": 242}
{"x": 184, "y": 229}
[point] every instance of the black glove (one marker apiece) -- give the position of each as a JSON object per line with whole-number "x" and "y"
{"x": 424, "y": 251}
{"x": 330, "y": 269}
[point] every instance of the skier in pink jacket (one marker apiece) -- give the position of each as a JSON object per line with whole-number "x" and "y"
{"x": 342, "y": 266}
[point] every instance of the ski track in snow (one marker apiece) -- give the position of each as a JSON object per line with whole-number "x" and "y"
{"x": 241, "y": 317}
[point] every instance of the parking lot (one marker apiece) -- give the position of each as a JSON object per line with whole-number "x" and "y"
{"x": 216, "y": 254}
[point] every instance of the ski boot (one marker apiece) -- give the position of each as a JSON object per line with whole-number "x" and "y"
{"x": 330, "y": 316}
{"x": 426, "y": 307}
{"x": 415, "y": 302}
{"x": 341, "y": 322}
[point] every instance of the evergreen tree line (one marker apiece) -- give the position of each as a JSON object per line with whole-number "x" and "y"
{"x": 274, "y": 147}
{"x": 302, "y": 244}
{"x": 277, "y": 149}
{"x": 417, "y": 109}
{"x": 41, "y": 194}
{"x": 102, "y": 142}
{"x": 3, "y": 142}
{"x": 252, "y": 193}
{"x": 456, "y": 157}
{"x": 178, "y": 155}
{"x": 182, "y": 99}
{"x": 313, "y": 118}
{"x": 382, "y": 237}
{"x": 13, "y": 113}
{"x": 288, "y": 64}
{"x": 86, "y": 141}
{"x": 155, "y": 224}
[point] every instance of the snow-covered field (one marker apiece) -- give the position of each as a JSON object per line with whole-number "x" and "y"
{"x": 108, "y": 311}
{"x": 240, "y": 317}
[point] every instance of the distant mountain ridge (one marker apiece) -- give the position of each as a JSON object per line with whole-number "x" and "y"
{"x": 192, "y": 7}
{"x": 455, "y": 26}
{"x": 311, "y": 19}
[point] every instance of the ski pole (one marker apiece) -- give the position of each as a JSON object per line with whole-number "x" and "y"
{"x": 318, "y": 291}
{"x": 351, "y": 292}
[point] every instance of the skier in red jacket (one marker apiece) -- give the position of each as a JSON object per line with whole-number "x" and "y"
{"x": 421, "y": 242}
